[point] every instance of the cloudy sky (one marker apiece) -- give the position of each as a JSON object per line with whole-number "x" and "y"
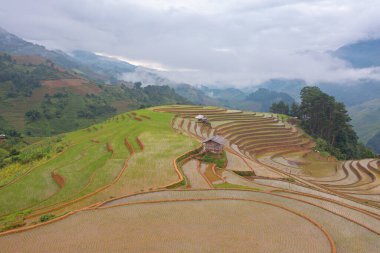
{"x": 225, "y": 42}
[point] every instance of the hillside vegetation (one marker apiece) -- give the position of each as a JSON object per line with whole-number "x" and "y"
{"x": 40, "y": 99}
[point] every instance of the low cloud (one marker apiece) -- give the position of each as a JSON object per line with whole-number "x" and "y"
{"x": 221, "y": 42}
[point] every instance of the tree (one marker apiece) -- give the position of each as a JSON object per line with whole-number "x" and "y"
{"x": 323, "y": 117}
{"x": 137, "y": 85}
{"x": 33, "y": 115}
{"x": 294, "y": 110}
{"x": 280, "y": 108}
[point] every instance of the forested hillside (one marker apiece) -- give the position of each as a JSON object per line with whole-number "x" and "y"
{"x": 324, "y": 118}
{"x": 40, "y": 99}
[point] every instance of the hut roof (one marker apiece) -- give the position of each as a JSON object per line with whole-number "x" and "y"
{"x": 200, "y": 116}
{"x": 216, "y": 138}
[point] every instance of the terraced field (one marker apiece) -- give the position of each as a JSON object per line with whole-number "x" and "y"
{"x": 135, "y": 184}
{"x": 98, "y": 162}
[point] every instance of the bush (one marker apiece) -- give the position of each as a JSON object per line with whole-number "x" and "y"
{"x": 46, "y": 217}
{"x": 33, "y": 115}
{"x": 59, "y": 149}
{"x": 219, "y": 160}
{"x": 326, "y": 149}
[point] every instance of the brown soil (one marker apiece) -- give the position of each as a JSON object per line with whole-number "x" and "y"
{"x": 28, "y": 59}
{"x": 78, "y": 86}
{"x": 146, "y": 117}
{"x": 242, "y": 226}
{"x": 129, "y": 146}
{"x": 58, "y": 179}
{"x": 109, "y": 147}
{"x": 140, "y": 143}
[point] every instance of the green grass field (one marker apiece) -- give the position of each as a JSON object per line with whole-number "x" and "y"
{"x": 87, "y": 164}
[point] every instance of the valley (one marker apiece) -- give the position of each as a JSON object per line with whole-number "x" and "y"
{"x": 190, "y": 126}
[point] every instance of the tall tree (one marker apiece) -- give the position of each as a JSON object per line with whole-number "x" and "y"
{"x": 323, "y": 117}
{"x": 280, "y": 108}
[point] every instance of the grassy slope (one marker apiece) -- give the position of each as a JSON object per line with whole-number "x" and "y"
{"x": 87, "y": 165}
{"x": 23, "y": 86}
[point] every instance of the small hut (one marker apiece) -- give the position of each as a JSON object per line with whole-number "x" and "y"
{"x": 201, "y": 119}
{"x": 214, "y": 144}
{"x": 2, "y": 136}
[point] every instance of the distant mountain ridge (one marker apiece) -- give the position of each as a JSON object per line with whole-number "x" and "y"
{"x": 259, "y": 100}
{"x": 104, "y": 66}
{"x": 361, "y": 54}
{"x": 45, "y": 92}
{"x": 266, "y": 98}
{"x": 13, "y": 45}
{"x": 99, "y": 68}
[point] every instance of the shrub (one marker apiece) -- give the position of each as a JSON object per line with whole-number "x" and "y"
{"x": 46, "y": 217}
{"x": 219, "y": 160}
{"x": 59, "y": 149}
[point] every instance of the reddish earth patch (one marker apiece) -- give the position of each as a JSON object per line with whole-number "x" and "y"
{"x": 109, "y": 147}
{"x": 129, "y": 146}
{"x": 29, "y": 59}
{"x": 58, "y": 179}
{"x": 77, "y": 86}
{"x": 121, "y": 106}
{"x": 140, "y": 143}
{"x": 137, "y": 118}
{"x": 95, "y": 141}
{"x": 145, "y": 117}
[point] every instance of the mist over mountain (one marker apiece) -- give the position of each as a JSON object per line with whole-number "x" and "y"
{"x": 105, "y": 69}
{"x": 104, "y": 66}
{"x": 362, "y": 54}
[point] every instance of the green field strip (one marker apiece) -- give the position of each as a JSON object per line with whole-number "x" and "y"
{"x": 16, "y": 196}
{"x": 87, "y": 166}
{"x": 100, "y": 172}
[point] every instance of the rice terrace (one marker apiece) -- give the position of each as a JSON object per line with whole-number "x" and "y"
{"x": 142, "y": 181}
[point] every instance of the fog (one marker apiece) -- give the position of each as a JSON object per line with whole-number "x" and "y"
{"x": 223, "y": 42}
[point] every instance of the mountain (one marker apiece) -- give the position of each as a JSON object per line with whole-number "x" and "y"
{"x": 104, "y": 66}
{"x": 291, "y": 87}
{"x": 362, "y": 54}
{"x": 362, "y": 98}
{"x": 348, "y": 93}
{"x": 259, "y": 100}
{"x": 366, "y": 119}
{"x": 195, "y": 95}
{"x": 227, "y": 97}
{"x": 13, "y": 45}
{"x": 151, "y": 77}
{"x": 40, "y": 99}
{"x": 262, "y": 99}
{"x": 363, "y": 103}
{"x": 374, "y": 143}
